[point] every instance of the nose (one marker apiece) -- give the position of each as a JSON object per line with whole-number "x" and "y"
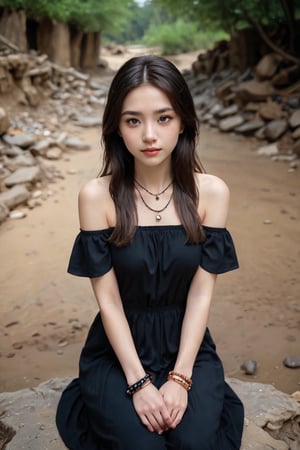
{"x": 149, "y": 134}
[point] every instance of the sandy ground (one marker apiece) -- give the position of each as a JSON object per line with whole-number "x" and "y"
{"x": 45, "y": 313}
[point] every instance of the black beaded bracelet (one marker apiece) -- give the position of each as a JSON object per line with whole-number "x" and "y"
{"x": 139, "y": 384}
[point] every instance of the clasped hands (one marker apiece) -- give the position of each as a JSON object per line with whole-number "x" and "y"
{"x": 161, "y": 409}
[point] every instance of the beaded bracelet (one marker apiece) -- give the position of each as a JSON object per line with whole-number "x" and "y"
{"x": 143, "y": 382}
{"x": 180, "y": 379}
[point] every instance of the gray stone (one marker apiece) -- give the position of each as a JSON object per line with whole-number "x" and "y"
{"x": 22, "y": 140}
{"x": 249, "y": 367}
{"x": 31, "y": 413}
{"x": 250, "y": 126}
{"x": 229, "y": 111}
{"x": 40, "y": 146}
{"x": 293, "y": 362}
{"x": 260, "y": 133}
{"x": 24, "y": 175}
{"x": 275, "y": 129}
{"x": 89, "y": 121}
{"x": 268, "y": 150}
{"x": 13, "y": 151}
{"x": 296, "y": 148}
{"x": 230, "y": 123}
{"x": 294, "y": 120}
{"x": 15, "y": 196}
{"x": 24, "y": 160}
{"x": 216, "y": 109}
{"x": 4, "y": 212}
{"x": 4, "y": 121}
{"x": 296, "y": 133}
{"x": 76, "y": 143}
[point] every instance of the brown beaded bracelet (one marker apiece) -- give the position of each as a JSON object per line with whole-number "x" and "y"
{"x": 143, "y": 382}
{"x": 180, "y": 379}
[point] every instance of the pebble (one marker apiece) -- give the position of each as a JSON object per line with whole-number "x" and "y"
{"x": 249, "y": 367}
{"x": 14, "y": 215}
{"x": 292, "y": 362}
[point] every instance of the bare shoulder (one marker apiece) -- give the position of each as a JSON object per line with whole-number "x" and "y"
{"x": 95, "y": 204}
{"x": 214, "y": 198}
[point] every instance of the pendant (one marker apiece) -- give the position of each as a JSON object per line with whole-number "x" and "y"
{"x": 158, "y": 217}
{"x": 157, "y": 197}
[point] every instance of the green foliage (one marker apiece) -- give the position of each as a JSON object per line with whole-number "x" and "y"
{"x": 180, "y": 36}
{"x": 87, "y": 15}
{"x": 226, "y": 14}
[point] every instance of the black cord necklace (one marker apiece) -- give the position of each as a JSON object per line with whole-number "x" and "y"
{"x": 157, "y": 211}
{"x": 151, "y": 193}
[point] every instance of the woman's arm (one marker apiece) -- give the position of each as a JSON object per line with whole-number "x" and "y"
{"x": 214, "y": 196}
{"x": 148, "y": 401}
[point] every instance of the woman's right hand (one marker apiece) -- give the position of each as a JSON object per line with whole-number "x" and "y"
{"x": 151, "y": 409}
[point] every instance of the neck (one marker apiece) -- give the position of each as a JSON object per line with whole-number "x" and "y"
{"x": 155, "y": 180}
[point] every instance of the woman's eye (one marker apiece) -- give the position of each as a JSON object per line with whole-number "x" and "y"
{"x": 164, "y": 119}
{"x": 133, "y": 121}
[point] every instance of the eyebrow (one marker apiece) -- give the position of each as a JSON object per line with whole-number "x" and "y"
{"x": 138, "y": 113}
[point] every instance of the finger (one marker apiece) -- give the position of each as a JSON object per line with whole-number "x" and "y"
{"x": 154, "y": 424}
{"x": 177, "y": 418}
{"x": 145, "y": 421}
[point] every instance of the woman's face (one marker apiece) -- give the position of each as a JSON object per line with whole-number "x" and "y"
{"x": 149, "y": 125}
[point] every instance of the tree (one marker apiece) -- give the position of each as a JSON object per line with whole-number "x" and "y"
{"x": 231, "y": 15}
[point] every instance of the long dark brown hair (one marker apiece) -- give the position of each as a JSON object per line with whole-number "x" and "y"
{"x": 119, "y": 163}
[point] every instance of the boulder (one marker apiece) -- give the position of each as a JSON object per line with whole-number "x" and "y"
{"x": 24, "y": 175}
{"x": 15, "y": 196}
{"x": 267, "y": 66}
{"x": 271, "y": 110}
{"x": 23, "y": 140}
{"x": 4, "y": 121}
{"x": 30, "y": 413}
{"x": 294, "y": 120}
{"x": 275, "y": 129}
{"x": 249, "y": 127}
{"x": 253, "y": 90}
{"x": 230, "y": 123}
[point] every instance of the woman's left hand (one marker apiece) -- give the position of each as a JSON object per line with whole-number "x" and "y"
{"x": 176, "y": 400}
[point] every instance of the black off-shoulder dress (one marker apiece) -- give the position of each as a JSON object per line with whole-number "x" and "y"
{"x": 154, "y": 274}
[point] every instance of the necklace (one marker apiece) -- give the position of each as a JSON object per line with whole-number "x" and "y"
{"x": 158, "y": 211}
{"x": 151, "y": 193}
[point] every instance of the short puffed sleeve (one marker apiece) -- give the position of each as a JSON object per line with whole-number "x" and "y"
{"x": 90, "y": 256}
{"x": 218, "y": 253}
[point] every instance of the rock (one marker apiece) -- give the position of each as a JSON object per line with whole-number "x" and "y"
{"x": 267, "y": 66}
{"x": 229, "y": 111}
{"x": 31, "y": 413}
{"x": 4, "y": 121}
{"x": 271, "y": 110}
{"x": 40, "y": 146}
{"x": 231, "y": 122}
{"x": 275, "y": 129}
{"x": 294, "y": 120}
{"x": 249, "y": 367}
{"x": 76, "y": 143}
{"x": 4, "y": 212}
{"x": 24, "y": 175}
{"x": 32, "y": 95}
{"x": 22, "y": 140}
{"x": 13, "y": 151}
{"x": 15, "y": 196}
{"x": 253, "y": 90}
{"x": 260, "y": 133}
{"x": 25, "y": 159}
{"x": 250, "y": 126}
{"x": 15, "y": 215}
{"x": 292, "y": 362}
{"x": 88, "y": 121}
{"x": 53, "y": 153}
{"x": 268, "y": 150}
{"x": 296, "y": 133}
{"x": 296, "y": 148}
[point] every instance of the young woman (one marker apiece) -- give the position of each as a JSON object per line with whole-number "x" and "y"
{"x": 152, "y": 241}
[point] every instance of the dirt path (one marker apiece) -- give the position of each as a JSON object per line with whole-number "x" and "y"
{"x": 45, "y": 313}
